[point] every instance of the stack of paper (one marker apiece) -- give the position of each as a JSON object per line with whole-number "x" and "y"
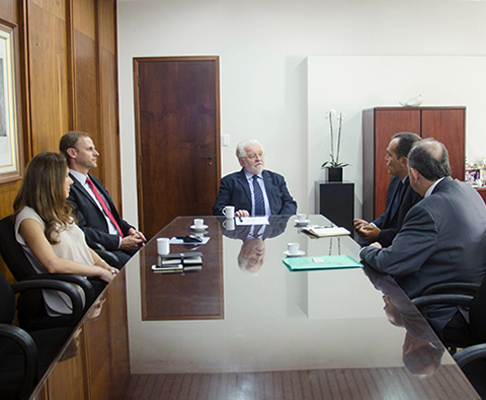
{"x": 179, "y": 262}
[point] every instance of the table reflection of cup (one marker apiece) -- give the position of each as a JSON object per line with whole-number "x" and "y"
{"x": 293, "y": 248}
{"x": 229, "y": 212}
{"x": 198, "y": 223}
{"x": 163, "y": 246}
{"x": 229, "y": 224}
{"x": 301, "y": 217}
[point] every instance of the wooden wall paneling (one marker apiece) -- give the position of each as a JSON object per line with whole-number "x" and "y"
{"x": 108, "y": 91}
{"x": 69, "y": 378}
{"x": 120, "y": 362}
{"x": 84, "y": 17}
{"x": 56, "y": 8}
{"x": 448, "y": 126}
{"x": 86, "y": 87}
{"x": 98, "y": 350}
{"x": 107, "y": 25}
{"x": 48, "y": 72}
{"x": 8, "y": 10}
{"x": 109, "y": 138}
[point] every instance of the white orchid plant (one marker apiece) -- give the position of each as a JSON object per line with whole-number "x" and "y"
{"x": 334, "y": 163}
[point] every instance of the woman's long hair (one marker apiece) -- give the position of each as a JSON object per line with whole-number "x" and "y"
{"x": 42, "y": 189}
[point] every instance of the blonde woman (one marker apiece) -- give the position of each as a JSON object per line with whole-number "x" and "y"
{"x": 46, "y": 229}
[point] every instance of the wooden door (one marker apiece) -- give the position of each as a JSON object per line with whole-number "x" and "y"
{"x": 448, "y": 126}
{"x": 177, "y": 119}
{"x": 388, "y": 122}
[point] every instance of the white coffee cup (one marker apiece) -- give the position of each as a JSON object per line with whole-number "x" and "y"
{"x": 229, "y": 212}
{"x": 198, "y": 223}
{"x": 229, "y": 224}
{"x": 163, "y": 246}
{"x": 293, "y": 248}
{"x": 301, "y": 217}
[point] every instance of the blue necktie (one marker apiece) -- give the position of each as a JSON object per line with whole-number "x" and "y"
{"x": 257, "y": 192}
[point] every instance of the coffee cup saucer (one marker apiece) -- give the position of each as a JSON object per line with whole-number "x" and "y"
{"x": 298, "y": 254}
{"x": 303, "y": 222}
{"x": 199, "y": 228}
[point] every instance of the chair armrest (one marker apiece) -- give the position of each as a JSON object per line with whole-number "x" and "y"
{"x": 62, "y": 286}
{"x": 110, "y": 257}
{"x": 29, "y": 349}
{"x": 79, "y": 280}
{"x": 435, "y": 299}
{"x": 470, "y": 353}
{"x": 452, "y": 288}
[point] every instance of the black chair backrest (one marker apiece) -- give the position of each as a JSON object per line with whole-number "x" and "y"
{"x": 7, "y": 302}
{"x": 12, "y": 253}
{"x": 477, "y": 314}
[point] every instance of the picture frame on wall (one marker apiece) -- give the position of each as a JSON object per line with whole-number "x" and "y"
{"x": 10, "y": 166}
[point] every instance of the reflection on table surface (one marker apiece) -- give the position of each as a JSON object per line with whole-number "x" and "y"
{"x": 244, "y": 326}
{"x": 274, "y": 319}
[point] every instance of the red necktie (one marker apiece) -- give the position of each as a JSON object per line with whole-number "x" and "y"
{"x": 104, "y": 206}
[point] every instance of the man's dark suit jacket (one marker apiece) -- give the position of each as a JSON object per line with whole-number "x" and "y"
{"x": 92, "y": 220}
{"x": 391, "y": 224}
{"x": 234, "y": 190}
{"x": 442, "y": 240}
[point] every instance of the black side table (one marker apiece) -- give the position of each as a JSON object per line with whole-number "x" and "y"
{"x": 335, "y": 200}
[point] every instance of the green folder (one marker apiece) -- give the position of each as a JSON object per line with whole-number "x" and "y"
{"x": 320, "y": 262}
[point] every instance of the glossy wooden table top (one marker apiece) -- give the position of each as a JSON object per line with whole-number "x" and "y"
{"x": 352, "y": 327}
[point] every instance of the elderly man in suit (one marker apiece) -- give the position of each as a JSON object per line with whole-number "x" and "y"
{"x": 443, "y": 237}
{"x": 253, "y": 190}
{"x": 93, "y": 206}
{"x": 399, "y": 198}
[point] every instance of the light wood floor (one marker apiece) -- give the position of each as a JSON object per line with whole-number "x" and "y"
{"x": 294, "y": 385}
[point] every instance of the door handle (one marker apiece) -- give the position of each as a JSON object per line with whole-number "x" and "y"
{"x": 208, "y": 158}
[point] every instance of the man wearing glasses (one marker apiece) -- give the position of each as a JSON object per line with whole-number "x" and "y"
{"x": 254, "y": 191}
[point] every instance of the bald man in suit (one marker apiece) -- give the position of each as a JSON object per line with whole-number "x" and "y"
{"x": 443, "y": 237}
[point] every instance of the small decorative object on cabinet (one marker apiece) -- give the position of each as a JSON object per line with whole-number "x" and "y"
{"x": 446, "y": 124}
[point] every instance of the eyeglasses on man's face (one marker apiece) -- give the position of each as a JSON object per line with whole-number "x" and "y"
{"x": 255, "y": 155}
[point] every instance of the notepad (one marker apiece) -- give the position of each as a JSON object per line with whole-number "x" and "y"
{"x": 320, "y": 263}
{"x": 251, "y": 221}
{"x": 327, "y": 231}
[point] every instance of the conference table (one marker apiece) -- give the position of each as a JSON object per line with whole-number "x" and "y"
{"x": 243, "y": 326}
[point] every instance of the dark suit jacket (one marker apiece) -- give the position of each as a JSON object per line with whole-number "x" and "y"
{"x": 91, "y": 219}
{"x": 391, "y": 224}
{"x": 234, "y": 190}
{"x": 443, "y": 239}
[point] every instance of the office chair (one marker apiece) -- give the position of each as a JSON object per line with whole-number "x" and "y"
{"x": 472, "y": 359}
{"x": 32, "y": 314}
{"x": 24, "y": 357}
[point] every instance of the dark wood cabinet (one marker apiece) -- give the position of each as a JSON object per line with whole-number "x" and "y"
{"x": 446, "y": 124}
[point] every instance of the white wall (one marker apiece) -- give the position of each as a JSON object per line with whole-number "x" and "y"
{"x": 264, "y": 47}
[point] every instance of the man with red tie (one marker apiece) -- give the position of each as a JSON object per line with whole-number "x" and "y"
{"x": 93, "y": 206}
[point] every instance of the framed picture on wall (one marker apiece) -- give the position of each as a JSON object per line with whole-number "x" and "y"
{"x": 9, "y": 136}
